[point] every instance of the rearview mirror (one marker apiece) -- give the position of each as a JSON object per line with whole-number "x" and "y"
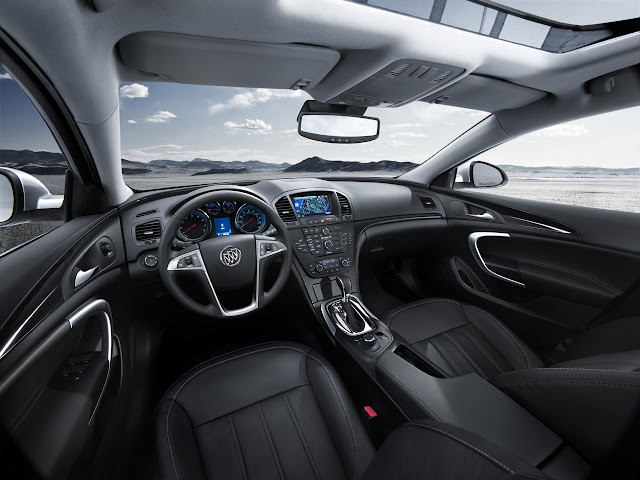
{"x": 338, "y": 128}
{"x": 24, "y": 199}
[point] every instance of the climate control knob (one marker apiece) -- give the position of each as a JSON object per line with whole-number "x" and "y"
{"x": 328, "y": 244}
{"x": 344, "y": 262}
{"x": 368, "y": 340}
{"x": 319, "y": 267}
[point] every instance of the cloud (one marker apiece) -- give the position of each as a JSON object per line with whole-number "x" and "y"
{"x": 408, "y": 134}
{"x": 404, "y": 125}
{"x": 396, "y": 144}
{"x": 5, "y": 76}
{"x": 131, "y": 121}
{"x": 135, "y": 90}
{"x": 564, "y": 130}
{"x": 249, "y": 99}
{"x": 161, "y": 117}
{"x": 293, "y": 131}
{"x": 251, "y": 127}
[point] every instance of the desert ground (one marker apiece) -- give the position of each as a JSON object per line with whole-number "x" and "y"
{"x": 613, "y": 193}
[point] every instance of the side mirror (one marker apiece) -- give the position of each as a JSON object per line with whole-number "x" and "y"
{"x": 480, "y": 175}
{"x": 338, "y": 127}
{"x": 24, "y": 199}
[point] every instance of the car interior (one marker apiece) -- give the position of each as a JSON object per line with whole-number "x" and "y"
{"x": 317, "y": 326}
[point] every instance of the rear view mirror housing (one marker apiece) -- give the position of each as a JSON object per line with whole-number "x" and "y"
{"x": 25, "y": 199}
{"x": 480, "y": 175}
{"x": 330, "y": 123}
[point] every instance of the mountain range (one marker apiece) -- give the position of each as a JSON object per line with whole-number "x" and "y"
{"x": 48, "y": 163}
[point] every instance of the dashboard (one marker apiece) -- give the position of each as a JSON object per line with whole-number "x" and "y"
{"x": 325, "y": 219}
{"x": 221, "y": 219}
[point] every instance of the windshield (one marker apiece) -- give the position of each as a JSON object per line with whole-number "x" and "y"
{"x": 176, "y": 135}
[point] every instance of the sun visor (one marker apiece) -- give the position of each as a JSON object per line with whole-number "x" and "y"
{"x": 213, "y": 61}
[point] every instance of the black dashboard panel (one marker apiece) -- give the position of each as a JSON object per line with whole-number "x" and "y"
{"x": 323, "y": 240}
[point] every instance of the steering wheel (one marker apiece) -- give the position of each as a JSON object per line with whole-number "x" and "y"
{"x": 234, "y": 261}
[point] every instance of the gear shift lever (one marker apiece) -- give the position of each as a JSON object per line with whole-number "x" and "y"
{"x": 354, "y": 321}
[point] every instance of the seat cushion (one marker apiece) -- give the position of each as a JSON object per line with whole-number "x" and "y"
{"x": 460, "y": 338}
{"x": 276, "y": 410}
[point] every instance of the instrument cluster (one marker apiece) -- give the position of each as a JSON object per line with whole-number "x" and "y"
{"x": 220, "y": 219}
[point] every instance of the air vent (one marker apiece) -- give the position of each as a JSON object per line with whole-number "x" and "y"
{"x": 398, "y": 70}
{"x": 148, "y": 230}
{"x": 345, "y": 208}
{"x": 144, "y": 214}
{"x": 443, "y": 76}
{"x": 283, "y": 206}
{"x": 427, "y": 202}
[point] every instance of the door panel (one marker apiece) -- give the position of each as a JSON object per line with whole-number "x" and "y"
{"x": 60, "y": 355}
{"x": 545, "y": 270}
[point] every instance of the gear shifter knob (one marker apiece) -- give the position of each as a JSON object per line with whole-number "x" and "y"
{"x": 344, "y": 282}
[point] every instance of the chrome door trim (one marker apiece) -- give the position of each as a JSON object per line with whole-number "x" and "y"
{"x": 475, "y": 251}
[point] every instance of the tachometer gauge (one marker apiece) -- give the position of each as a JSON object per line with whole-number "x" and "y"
{"x": 194, "y": 227}
{"x": 250, "y": 220}
{"x": 228, "y": 207}
{"x": 213, "y": 208}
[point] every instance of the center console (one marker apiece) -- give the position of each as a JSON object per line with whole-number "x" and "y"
{"x": 321, "y": 229}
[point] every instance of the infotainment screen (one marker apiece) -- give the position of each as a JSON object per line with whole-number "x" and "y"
{"x": 312, "y": 205}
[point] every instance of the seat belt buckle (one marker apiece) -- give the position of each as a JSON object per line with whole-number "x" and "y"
{"x": 373, "y": 424}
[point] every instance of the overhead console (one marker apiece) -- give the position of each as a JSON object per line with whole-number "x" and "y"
{"x": 399, "y": 82}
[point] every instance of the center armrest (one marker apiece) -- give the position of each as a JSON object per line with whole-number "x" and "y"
{"x": 468, "y": 402}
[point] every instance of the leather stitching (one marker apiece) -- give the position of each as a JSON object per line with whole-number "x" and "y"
{"x": 236, "y": 441}
{"x": 486, "y": 355}
{"x": 303, "y": 440}
{"x": 503, "y": 328}
{"x": 468, "y": 445}
{"x": 586, "y": 382}
{"x": 445, "y": 356}
{"x": 417, "y": 304}
{"x": 577, "y": 368}
{"x": 381, "y": 367}
{"x": 252, "y": 352}
{"x": 465, "y": 355}
{"x": 274, "y": 452}
{"x": 344, "y": 409}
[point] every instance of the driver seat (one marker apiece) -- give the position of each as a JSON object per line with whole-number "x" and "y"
{"x": 280, "y": 411}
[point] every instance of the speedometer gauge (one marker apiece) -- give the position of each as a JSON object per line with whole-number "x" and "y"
{"x": 194, "y": 227}
{"x": 250, "y": 220}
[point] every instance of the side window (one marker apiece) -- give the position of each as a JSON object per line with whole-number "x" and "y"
{"x": 592, "y": 162}
{"x": 32, "y": 169}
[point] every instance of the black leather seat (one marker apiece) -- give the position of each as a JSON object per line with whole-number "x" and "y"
{"x": 460, "y": 338}
{"x": 280, "y": 411}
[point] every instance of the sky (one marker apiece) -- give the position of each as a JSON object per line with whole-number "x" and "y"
{"x": 183, "y": 122}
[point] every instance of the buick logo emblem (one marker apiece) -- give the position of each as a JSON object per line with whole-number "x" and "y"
{"x": 230, "y": 256}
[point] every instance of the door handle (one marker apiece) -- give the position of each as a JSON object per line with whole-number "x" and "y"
{"x": 483, "y": 216}
{"x": 475, "y": 251}
{"x": 83, "y": 275}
